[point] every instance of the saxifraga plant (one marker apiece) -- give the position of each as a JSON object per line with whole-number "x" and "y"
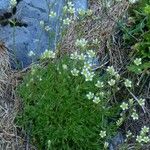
{"x": 66, "y": 104}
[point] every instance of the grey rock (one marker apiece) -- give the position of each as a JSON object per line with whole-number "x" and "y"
{"x": 28, "y": 34}
{"x": 116, "y": 141}
{"x": 4, "y": 6}
{"x": 82, "y": 4}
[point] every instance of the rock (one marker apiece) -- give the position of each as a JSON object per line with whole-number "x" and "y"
{"x": 116, "y": 141}
{"x": 28, "y": 33}
{"x": 4, "y": 6}
{"x": 82, "y": 4}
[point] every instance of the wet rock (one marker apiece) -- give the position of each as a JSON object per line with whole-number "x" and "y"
{"x": 27, "y": 34}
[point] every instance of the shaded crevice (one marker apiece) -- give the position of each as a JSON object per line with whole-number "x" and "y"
{"x": 7, "y": 18}
{"x": 17, "y": 23}
{"x": 12, "y": 23}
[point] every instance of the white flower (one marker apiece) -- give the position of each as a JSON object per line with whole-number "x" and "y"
{"x": 138, "y": 61}
{"x": 65, "y": 8}
{"x": 129, "y": 133}
{"x": 95, "y": 41}
{"x": 49, "y": 144}
{"x": 141, "y": 102}
{"x": 42, "y": 23}
{"x": 145, "y": 130}
{"x": 90, "y": 95}
{"x": 128, "y": 83}
{"x": 31, "y": 53}
{"x": 124, "y": 106}
{"x": 102, "y": 134}
{"x": 91, "y": 53}
{"x": 81, "y": 56}
{"x": 75, "y": 72}
{"x": 13, "y": 3}
{"x": 139, "y": 138}
{"x": 47, "y": 28}
{"x": 33, "y": 70}
{"x": 65, "y": 66}
{"x": 52, "y": 14}
{"x": 81, "y": 43}
{"x": 111, "y": 70}
{"x": 87, "y": 73}
{"x": 48, "y": 54}
{"x": 101, "y": 94}
{"x": 135, "y": 116}
{"x": 87, "y": 65}
{"x": 96, "y": 100}
{"x": 89, "y": 12}
{"x": 71, "y": 10}
{"x": 106, "y": 144}
{"x": 99, "y": 84}
{"x": 67, "y": 21}
{"x": 81, "y": 12}
{"x": 131, "y": 101}
{"x": 89, "y": 76}
{"x": 84, "y": 71}
{"x": 74, "y": 55}
{"x": 143, "y": 135}
{"x": 146, "y": 139}
{"x": 117, "y": 76}
{"x": 112, "y": 82}
{"x": 70, "y": 4}
{"x": 133, "y": 1}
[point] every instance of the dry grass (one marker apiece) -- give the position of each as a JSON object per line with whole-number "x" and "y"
{"x": 101, "y": 25}
{"x": 4, "y": 69}
{"x": 8, "y": 138}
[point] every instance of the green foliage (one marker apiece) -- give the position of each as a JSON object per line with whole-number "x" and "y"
{"x": 56, "y": 111}
{"x": 138, "y": 34}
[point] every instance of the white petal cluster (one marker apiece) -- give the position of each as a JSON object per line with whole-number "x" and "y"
{"x": 75, "y": 72}
{"x": 81, "y": 12}
{"x": 91, "y": 53}
{"x": 112, "y": 82}
{"x": 13, "y": 3}
{"x": 102, "y": 134}
{"x": 90, "y": 95}
{"x": 143, "y": 137}
{"x": 48, "y": 54}
{"x": 74, "y": 55}
{"x": 124, "y": 106}
{"x": 138, "y": 61}
{"x": 141, "y": 102}
{"x": 52, "y": 14}
{"x": 128, "y": 83}
{"x": 134, "y": 115}
{"x": 82, "y": 43}
{"x": 133, "y": 1}
{"x": 87, "y": 74}
{"x": 96, "y": 99}
{"x": 67, "y": 21}
{"x": 111, "y": 70}
{"x": 99, "y": 84}
{"x": 31, "y": 54}
{"x": 81, "y": 56}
